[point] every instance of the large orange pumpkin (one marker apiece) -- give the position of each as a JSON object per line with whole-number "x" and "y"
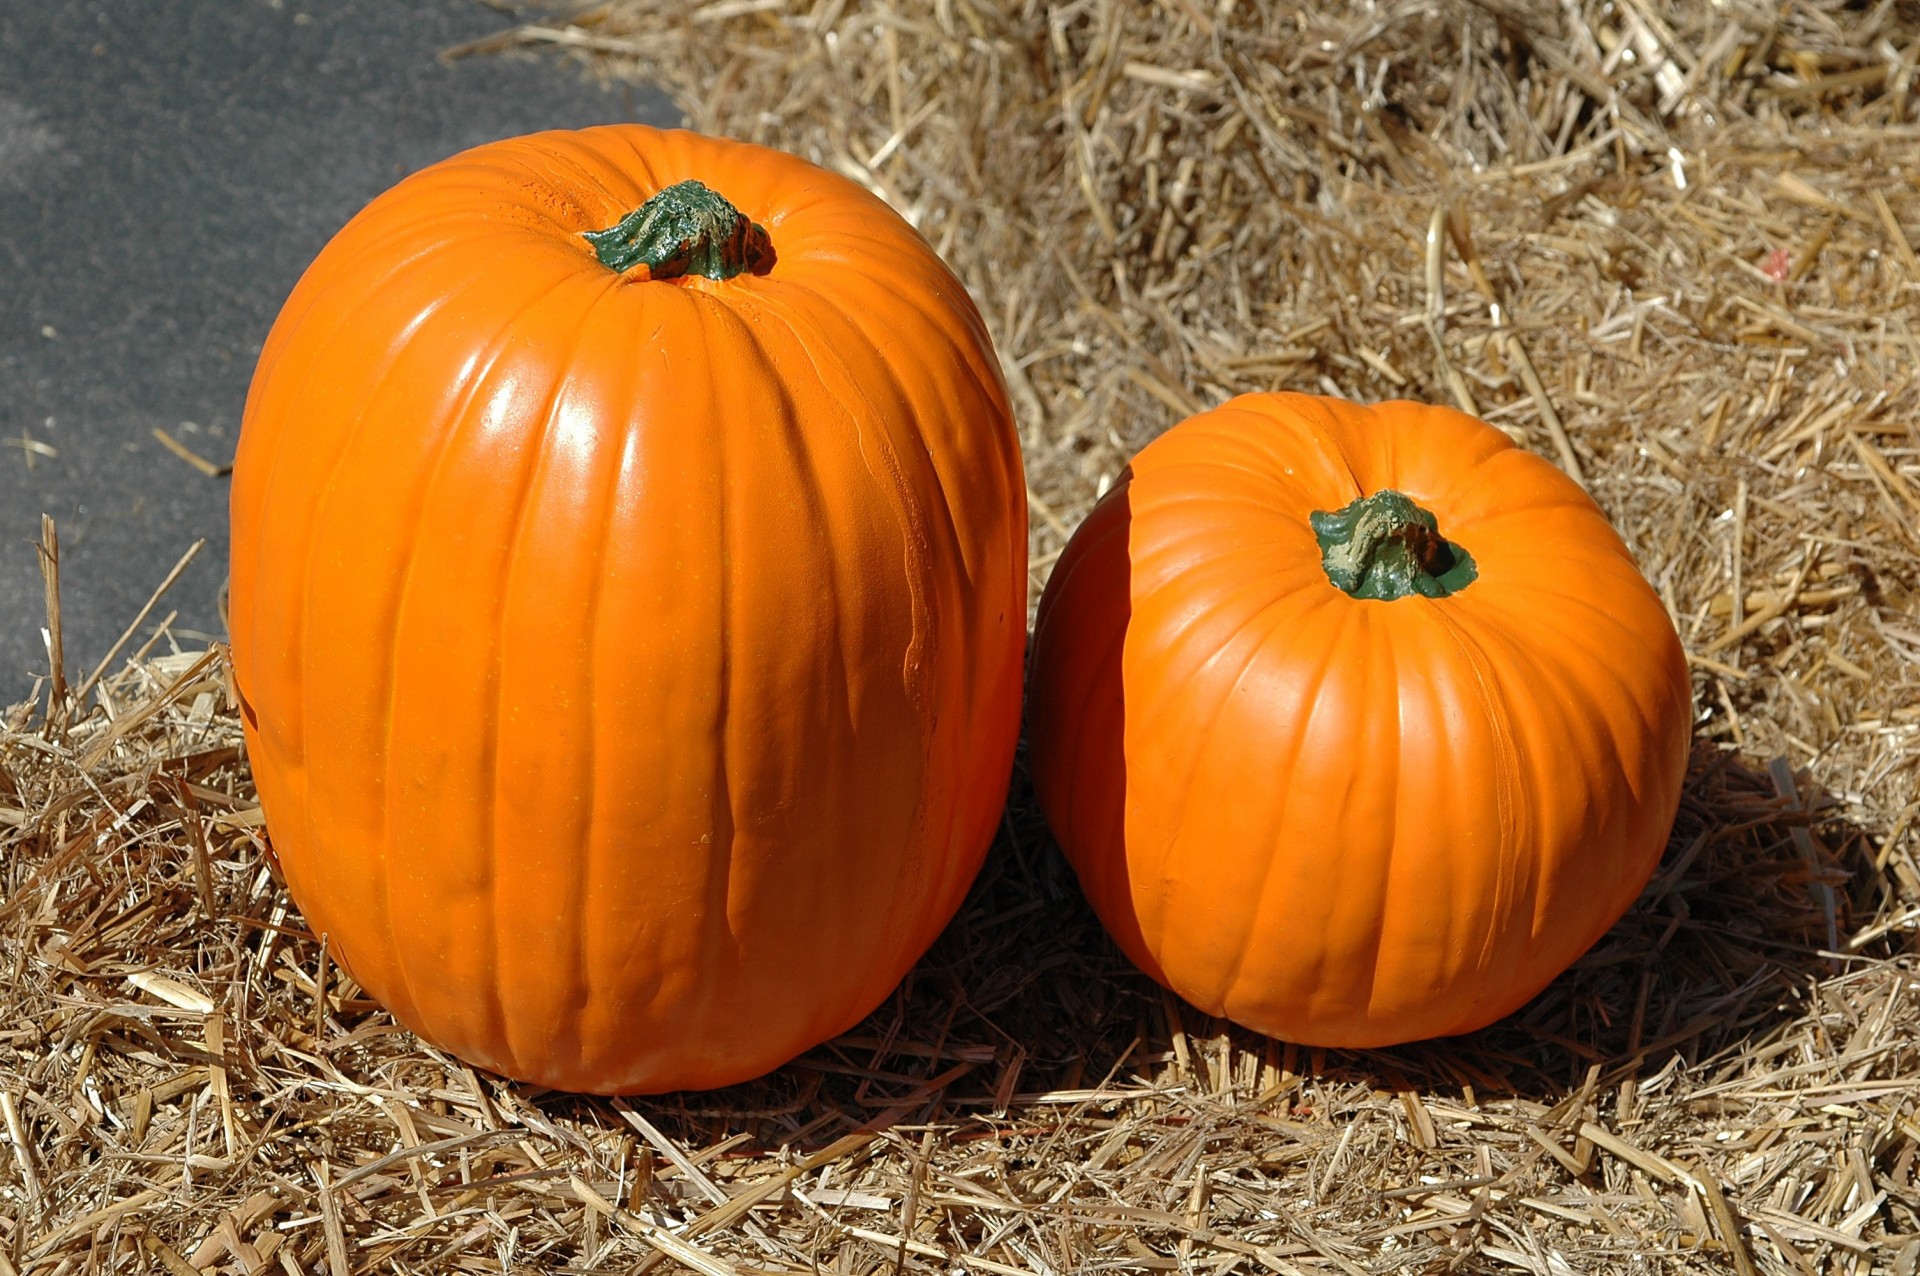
{"x": 629, "y": 564}
{"x": 1358, "y": 724}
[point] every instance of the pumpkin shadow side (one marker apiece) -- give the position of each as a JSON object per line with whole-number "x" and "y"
{"x": 1024, "y": 995}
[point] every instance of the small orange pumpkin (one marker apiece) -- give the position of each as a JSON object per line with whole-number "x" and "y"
{"x": 628, "y": 602}
{"x": 1358, "y": 724}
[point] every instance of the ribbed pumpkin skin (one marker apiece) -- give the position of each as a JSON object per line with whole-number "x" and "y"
{"x": 1346, "y": 822}
{"x": 632, "y": 667}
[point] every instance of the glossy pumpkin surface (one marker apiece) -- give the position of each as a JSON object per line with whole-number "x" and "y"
{"x": 632, "y": 664}
{"x": 1354, "y": 820}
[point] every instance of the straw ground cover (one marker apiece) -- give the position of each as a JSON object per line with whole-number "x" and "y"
{"x": 1669, "y": 245}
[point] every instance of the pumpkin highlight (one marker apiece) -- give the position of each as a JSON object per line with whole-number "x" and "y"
{"x": 627, "y": 598}
{"x": 1357, "y": 724}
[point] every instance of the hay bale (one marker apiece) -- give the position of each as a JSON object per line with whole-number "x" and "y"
{"x": 1669, "y": 245}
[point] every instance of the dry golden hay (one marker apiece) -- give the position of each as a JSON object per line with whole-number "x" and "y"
{"x": 1668, "y": 244}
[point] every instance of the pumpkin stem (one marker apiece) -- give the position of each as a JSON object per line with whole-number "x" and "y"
{"x": 1385, "y": 547}
{"x": 687, "y": 229}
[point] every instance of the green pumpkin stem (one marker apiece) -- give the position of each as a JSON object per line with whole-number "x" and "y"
{"x": 1384, "y": 547}
{"x": 687, "y": 229}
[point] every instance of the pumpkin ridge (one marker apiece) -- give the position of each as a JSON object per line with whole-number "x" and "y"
{"x": 587, "y": 165}
{"x": 1253, "y": 476}
{"x": 606, "y": 498}
{"x": 1273, "y": 614}
{"x": 1344, "y": 619}
{"x": 532, "y": 468}
{"x": 1326, "y": 428}
{"x": 918, "y": 522}
{"x": 1560, "y": 670}
{"x": 389, "y": 696}
{"x": 1269, "y": 440}
{"x": 1599, "y": 617}
{"x": 266, "y": 506}
{"x": 1295, "y": 745}
{"x": 910, "y": 515}
{"x": 985, "y": 392}
{"x": 1434, "y": 694}
{"x": 880, "y": 272}
{"x": 1306, "y": 603}
{"x": 345, "y": 440}
{"x": 802, "y": 459}
{"x": 913, "y": 517}
{"x": 1506, "y": 769}
{"x": 1327, "y": 985}
{"x": 1382, "y": 665}
{"x": 650, "y": 182}
{"x": 417, "y": 230}
{"x": 721, "y": 866}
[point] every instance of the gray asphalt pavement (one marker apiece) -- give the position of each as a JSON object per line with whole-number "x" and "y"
{"x": 167, "y": 169}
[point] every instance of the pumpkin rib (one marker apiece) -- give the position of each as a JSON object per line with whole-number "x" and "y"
{"x": 1457, "y": 481}
{"x": 917, "y": 521}
{"x": 1295, "y": 613}
{"x": 649, "y": 183}
{"x": 303, "y": 624}
{"x": 846, "y": 383}
{"x": 1307, "y": 605}
{"x": 1588, "y": 717}
{"x": 590, "y": 168}
{"x": 1508, "y": 766}
{"x": 751, "y": 346}
{"x": 586, "y": 726}
{"x": 268, "y": 504}
{"x": 1553, "y": 877}
{"x": 895, "y": 259}
{"x": 1324, "y": 423}
{"x": 912, "y": 517}
{"x": 723, "y": 849}
{"x": 480, "y": 375}
{"x": 1282, "y": 770}
{"x": 986, "y": 382}
{"x": 1298, "y": 486}
{"x": 350, "y": 321}
{"x": 1353, "y": 741}
{"x": 1100, "y": 887}
{"x": 525, "y": 488}
{"x": 1430, "y": 687}
{"x": 717, "y": 945}
{"x": 1381, "y": 665}
{"x": 1570, "y": 637}
{"x": 408, "y": 1000}
{"x": 1599, "y": 617}
{"x": 806, "y": 466}
{"x": 1215, "y": 498}
{"x": 923, "y": 646}
{"x": 1517, "y": 890}
{"x": 982, "y": 390}
{"x": 647, "y": 973}
{"x": 1560, "y": 672}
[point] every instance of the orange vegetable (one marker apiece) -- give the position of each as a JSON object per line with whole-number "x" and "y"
{"x": 1346, "y": 767}
{"x": 628, "y": 604}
